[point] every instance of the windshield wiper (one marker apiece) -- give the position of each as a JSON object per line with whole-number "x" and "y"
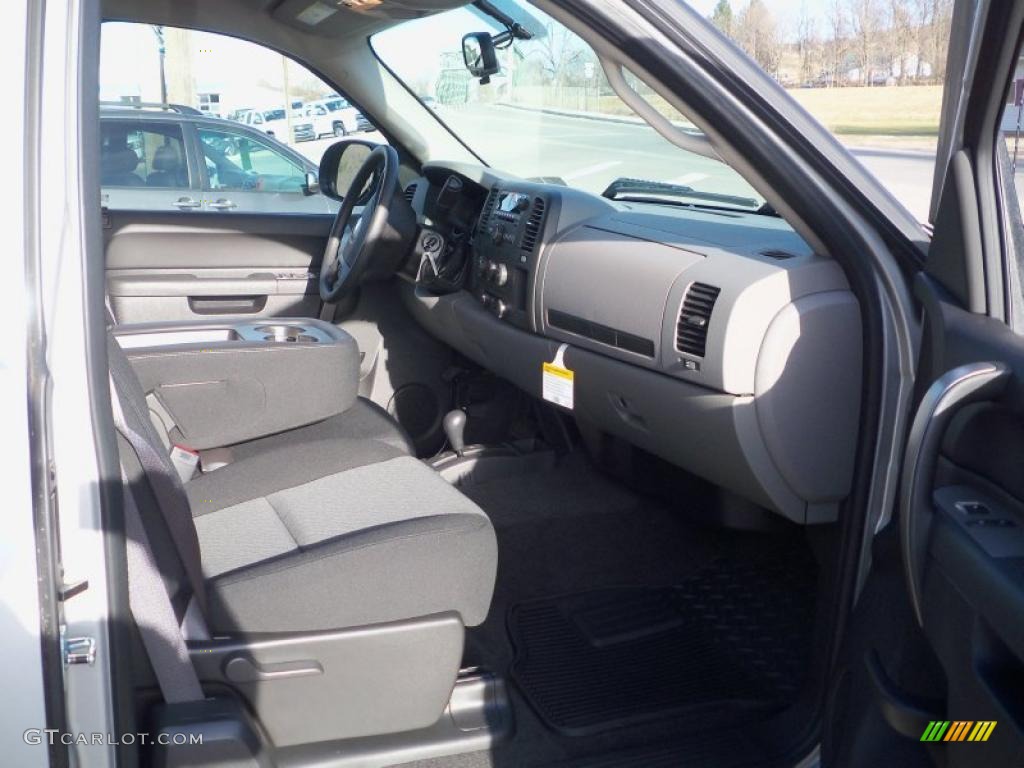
{"x": 625, "y": 188}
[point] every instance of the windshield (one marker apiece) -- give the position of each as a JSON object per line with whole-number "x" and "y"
{"x": 274, "y": 114}
{"x": 550, "y": 113}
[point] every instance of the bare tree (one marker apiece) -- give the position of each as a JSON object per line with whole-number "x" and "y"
{"x": 901, "y": 36}
{"x": 942, "y": 20}
{"x": 722, "y": 17}
{"x": 866, "y": 25}
{"x": 922, "y": 37}
{"x": 808, "y": 45}
{"x": 837, "y": 45}
{"x": 758, "y": 34}
{"x": 558, "y": 51}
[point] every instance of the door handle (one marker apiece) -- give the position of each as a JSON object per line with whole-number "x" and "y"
{"x": 187, "y": 203}
{"x": 222, "y": 204}
{"x": 971, "y": 383}
{"x": 227, "y": 305}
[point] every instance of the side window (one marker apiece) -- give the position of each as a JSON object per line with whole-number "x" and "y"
{"x": 1011, "y": 135}
{"x": 238, "y": 162}
{"x": 870, "y": 71}
{"x": 1011, "y": 127}
{"x": 157, "y": 72}
{"x": 140, "y": 162}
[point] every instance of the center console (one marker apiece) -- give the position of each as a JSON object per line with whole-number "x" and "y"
{"x": 222, "y": 383}
{"x": 506, "y": 247}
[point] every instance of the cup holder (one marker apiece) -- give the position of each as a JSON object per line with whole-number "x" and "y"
{"x": 285, "y": 333}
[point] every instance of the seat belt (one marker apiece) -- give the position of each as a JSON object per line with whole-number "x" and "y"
{"x": 173, "y": 508}
{"x": 327, "y": 311}
{"x": 154, "y": 614}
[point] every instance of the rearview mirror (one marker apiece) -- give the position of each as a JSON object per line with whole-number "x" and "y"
{"x": 340, "y": 164}
{"x": 480, "y": 56}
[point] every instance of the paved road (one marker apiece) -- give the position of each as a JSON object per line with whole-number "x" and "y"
{"x": 591, "y": 153}
{"x": 907, "y": 175}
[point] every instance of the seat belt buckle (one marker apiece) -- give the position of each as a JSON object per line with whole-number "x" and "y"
{"x": 185, "y": 461}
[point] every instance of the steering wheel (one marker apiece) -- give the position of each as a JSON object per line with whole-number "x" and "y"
{"x": 351, "y": 245}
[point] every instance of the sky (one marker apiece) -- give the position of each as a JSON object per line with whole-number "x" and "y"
{"x": 129, "y": 62}
{"x": 786, "y": 12}
{"x": 401, "y": 46}
{"x": 129, "y": 65}
{"x": 778, "y": 7}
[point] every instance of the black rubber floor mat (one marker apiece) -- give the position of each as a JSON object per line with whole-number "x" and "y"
{"x": 739, "y": 753}
{"x": 731, "y": 641}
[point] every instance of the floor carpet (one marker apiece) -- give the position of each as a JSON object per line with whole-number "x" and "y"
{"x": 634, "y": 576}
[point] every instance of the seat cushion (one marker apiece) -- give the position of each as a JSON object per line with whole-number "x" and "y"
{"x": 338, "y": 533}
{"x": 365, "y": 420}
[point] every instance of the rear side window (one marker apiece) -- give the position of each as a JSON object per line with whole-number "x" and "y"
{"x": 133, "y": 154}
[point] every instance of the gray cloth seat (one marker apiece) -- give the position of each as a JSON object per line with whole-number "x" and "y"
{"x": 338, "y": 533}
{"x": 363, "y": 421}
{"x": 117, "y": 168}
{"x": 168, "y": 168}
{"x": 314, "y": 531}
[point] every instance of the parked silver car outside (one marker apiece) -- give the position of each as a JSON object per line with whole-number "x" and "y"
{"x": 167, "y": 157}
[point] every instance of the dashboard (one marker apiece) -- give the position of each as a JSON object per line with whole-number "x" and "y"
{"x": 713, "y": 338}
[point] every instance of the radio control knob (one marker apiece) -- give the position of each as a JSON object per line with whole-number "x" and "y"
{"x": 497, "y": 234}
{"x": 501, "y": 274}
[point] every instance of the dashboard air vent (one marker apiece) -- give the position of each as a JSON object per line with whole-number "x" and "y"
{"x": 692, "y": 329}
{"x": 532, "y": 230}
{"x": 410, "y": 192}
{"x": 487, "y": 210}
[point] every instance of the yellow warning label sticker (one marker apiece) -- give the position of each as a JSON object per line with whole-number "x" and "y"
{"x": 554, "y": 370}
{"x": 558, "y": 381}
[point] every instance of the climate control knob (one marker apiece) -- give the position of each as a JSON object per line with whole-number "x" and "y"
{"x": 500, "y": 308}
{"x": 500, "y": 275}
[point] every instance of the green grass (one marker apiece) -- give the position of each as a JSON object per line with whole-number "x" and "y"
{"x": 895, "y": 111}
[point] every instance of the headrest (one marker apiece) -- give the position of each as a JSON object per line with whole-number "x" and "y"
{"x": 119, "y": 161}
{"x": 166, "y": 158}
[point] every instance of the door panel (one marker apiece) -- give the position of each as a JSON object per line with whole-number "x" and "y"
{"x": 962, "y": 527}
{"x": 938, "y": 642}
{"x": 183, "y": 266}
{"x": 958, "y": 643}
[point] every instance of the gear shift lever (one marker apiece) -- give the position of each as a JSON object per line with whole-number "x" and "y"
{"x": 455, "y": 430}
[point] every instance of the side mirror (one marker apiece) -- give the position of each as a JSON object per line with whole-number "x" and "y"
{"x": 480, "y": 55}
{"x": 310, "y": 184}
{"x": 340, "y": 164}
